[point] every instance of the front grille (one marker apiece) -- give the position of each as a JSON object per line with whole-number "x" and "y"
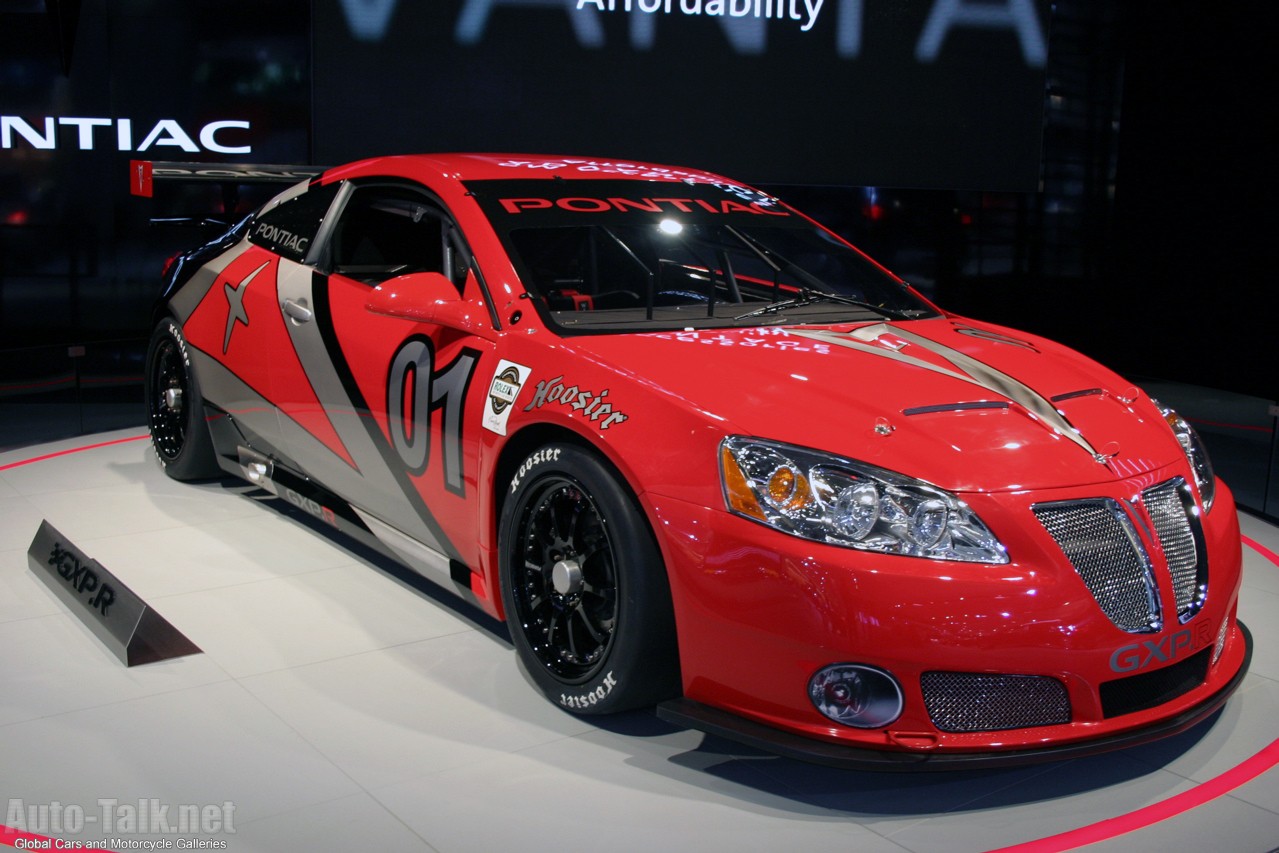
{"x": 1101, "y": 543}
{"x": 1177, "y": 526}
{"x": 1099, "y": 538}
{"x": 982, "y": 702}
{"x": 1151, "y": 689}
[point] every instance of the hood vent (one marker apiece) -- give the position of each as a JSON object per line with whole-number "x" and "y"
{"x": 1070, "y": 395}
{"x": 955, "y": 407}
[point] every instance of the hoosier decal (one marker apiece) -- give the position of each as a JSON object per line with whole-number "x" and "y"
{"x": 589, "y": 403}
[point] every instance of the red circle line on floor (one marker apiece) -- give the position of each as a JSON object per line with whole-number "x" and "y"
{"x": 1261, "y": 549}
{"x": 1103, "y": 830}
{"x": 1155, "y": 812}
{"x": 1164, "y": 809}
{"x": 71, "y": 450}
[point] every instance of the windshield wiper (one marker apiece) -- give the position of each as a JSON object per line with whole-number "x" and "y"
{"x": 816, "y": 289}
{"x": 809, "y": 297}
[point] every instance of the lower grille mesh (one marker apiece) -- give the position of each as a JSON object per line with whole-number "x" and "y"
{"x": 984, "y": 702}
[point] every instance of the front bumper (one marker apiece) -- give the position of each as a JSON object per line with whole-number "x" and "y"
{"x": 694, "y": 715}
{"x": 759, "y": 613}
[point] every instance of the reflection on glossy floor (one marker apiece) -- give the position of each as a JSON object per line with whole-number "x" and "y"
{"x": 339, "y": 708}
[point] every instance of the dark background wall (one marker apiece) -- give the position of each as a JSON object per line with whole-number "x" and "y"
{"x": 907, "y": 93}
{"x": 1194, "y": 224}
{"x": 1141, "y": 236}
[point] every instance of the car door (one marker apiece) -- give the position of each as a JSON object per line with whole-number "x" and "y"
{"x": 235, "y": 328}
{"x": 381, "y": 419}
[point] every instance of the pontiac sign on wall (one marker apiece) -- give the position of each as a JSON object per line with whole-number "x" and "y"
{"x": 226, "y": 136}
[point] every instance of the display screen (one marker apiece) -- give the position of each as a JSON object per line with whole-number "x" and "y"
{"x": 922, "y": 93}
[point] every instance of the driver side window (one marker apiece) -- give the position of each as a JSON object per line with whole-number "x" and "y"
{"x": 388, "y": 231}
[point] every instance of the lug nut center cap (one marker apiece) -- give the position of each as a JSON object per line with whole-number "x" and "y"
{"x": 566, "y": 577}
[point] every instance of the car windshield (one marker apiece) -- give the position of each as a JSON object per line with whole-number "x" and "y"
{"x": 626, "y": 255}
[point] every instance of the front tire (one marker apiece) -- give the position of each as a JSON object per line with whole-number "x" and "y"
{"x": 586, "y": 594}
{"x": 175, "y": 408}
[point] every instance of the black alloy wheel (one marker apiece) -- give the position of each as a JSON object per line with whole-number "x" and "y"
{"x": 584, "y": 587}
{"x": 175, "y": 408}
{"x": 565, "y": 589}
{"x": 168, "y": 399}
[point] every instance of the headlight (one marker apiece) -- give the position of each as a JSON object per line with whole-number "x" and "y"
{"x": 840, "y": 501}
{"x": 1196, "y": 454}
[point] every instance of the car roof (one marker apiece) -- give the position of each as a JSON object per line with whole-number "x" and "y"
{"x": 434, "y": 168}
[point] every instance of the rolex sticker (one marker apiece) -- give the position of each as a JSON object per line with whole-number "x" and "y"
{"x": 507, "y": 382}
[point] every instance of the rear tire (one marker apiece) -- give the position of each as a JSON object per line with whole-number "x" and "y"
{"x": 586, "y": 594}
{"x": 175, "y": 408}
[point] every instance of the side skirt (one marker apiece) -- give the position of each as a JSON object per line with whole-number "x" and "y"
{"x": 242, "y": 456}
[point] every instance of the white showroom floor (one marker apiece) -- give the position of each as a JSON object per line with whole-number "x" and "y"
{"x": 337, "y": 708}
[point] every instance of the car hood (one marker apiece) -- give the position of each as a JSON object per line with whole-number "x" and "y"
{"x": 967, "y": 406}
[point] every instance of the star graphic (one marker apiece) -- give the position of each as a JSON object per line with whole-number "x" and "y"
{"x": 235, "y": 305}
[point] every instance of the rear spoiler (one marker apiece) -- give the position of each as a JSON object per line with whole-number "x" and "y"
{"x": 144, "y": 173}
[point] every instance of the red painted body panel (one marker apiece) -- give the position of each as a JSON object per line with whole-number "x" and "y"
{"x": 772, "y": 382}
{"x": 759, "y": 611}
{"x": 369, "y": 343}
{"x": 757, "y": 620}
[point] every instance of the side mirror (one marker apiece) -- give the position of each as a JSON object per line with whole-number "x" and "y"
{"x": 427, "y": 297}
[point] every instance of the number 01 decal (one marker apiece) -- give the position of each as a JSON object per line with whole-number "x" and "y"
{"x": 413, "y": 391}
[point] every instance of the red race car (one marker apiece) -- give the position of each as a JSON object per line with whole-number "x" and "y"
{"x": 700, "y": 453}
